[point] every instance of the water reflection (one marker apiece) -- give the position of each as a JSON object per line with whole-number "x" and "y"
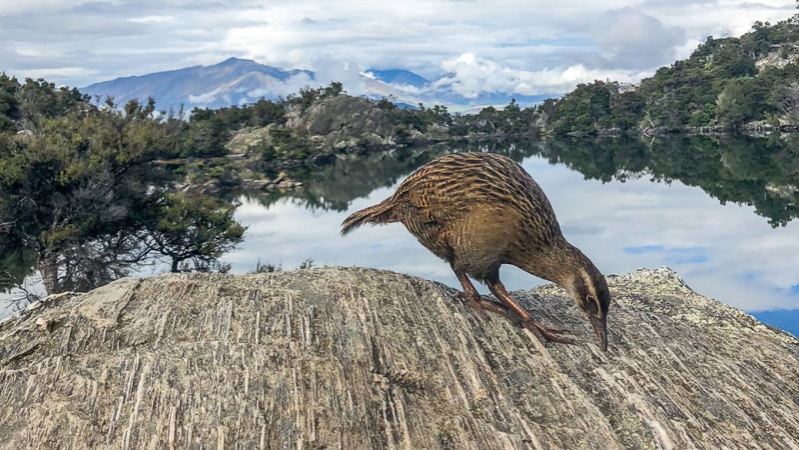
{"x": 333, "y": 186}
{"x": 607, "y": 205}
{"x": 696, "y": 216}
{"x": 761, "y": 172}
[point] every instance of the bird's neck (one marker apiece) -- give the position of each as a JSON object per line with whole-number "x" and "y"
{"x": 561, "y": 265}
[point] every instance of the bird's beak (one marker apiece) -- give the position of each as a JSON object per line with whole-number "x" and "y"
{"x": 601, "y": 330}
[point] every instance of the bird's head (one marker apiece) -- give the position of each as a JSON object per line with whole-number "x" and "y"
{"x": 590, "y": 292}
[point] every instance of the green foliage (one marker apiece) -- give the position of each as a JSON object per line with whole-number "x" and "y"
{"x": 265, "y": 112}
{"x": 79, "y": 173}
{"x": 195, "y": 227}
{"x": 308, "y": 96}
{"x": 719, "y": 85}
{"x": 9, "y": 103}
{"x": 490, "y": 121}
{"x": 386, "y": 104}
{"x": 82, "y": 195}
{"x": 288, "y": 144}
{"x": 40, "y": 100}
{"x": 209, "y": 131}
{"x": 584, "y": 110}
{"x": 334, "y": 89}
{"x": 271, "y": 268}
{"x": 410, "y": 119}
{"x": 268, "y": 152}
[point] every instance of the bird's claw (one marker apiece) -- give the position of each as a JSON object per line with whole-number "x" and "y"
{"x": 474, "y": 303}
{"x": 547, "y": 333}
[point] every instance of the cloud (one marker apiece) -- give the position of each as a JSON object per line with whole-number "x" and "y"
{"x": 641, "y": 249}
{"x": 630, "y": 39}
{"x": 292, "y": 85}
{"x": 469, "y": 75}
{"x": 346, "y": 72}
{"x": 725, "y": 252}
{"x": 534, "y": 46}
{"x": 15, "y": 8}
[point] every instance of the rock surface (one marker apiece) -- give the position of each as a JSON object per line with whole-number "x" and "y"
{"x": 356, "y": 358}
{"x": 341, "y": 121}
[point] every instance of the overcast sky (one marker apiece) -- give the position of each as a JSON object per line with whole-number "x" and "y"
{"x": 520, "y": 46}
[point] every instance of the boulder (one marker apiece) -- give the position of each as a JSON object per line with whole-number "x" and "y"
{"x": 352, "y": 358}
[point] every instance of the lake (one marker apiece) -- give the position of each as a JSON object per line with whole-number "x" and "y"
{"x": 720, "y": 211}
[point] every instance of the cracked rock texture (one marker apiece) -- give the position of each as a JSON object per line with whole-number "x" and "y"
{"x": 351, "y": 358}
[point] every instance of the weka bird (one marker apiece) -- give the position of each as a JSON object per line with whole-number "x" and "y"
{"x": 478, "y": 211}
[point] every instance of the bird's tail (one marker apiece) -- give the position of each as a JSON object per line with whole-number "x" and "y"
{"x": 378, "y": 214}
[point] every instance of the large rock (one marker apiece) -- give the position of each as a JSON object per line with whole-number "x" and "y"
{"x": 341, "y": 121}
{"x": 364, "y": 359}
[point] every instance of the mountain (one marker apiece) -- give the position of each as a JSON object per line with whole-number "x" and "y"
{"x": 237, "y": 81}
{"x": 231, "y": 82}
{"x": 398, "y": 77}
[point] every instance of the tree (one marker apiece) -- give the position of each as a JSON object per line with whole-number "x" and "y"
{"x": 264, "y": 112}
{"x": 334, "y": 89}
{"x": 195, "y": 227}
{"x": 9, "y": 103}
{"x": 80, "y": 178}
{"x": 82, "y": 193}
{"x": 41, "y": 100}
{"x": 790, "y": 102}
{"x": 584, "y": 110}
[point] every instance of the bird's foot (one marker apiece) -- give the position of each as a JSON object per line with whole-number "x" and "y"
{"x": 482, "y": 305}
{"x": 545, "y": 332}
{"x": 474, "y": 303}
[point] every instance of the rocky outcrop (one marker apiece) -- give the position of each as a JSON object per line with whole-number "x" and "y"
{"x": 329, "y": 126}
{"x": 248, "y": 140}
{"x": 342, "y": 121}
{"x": 350, "y": 358}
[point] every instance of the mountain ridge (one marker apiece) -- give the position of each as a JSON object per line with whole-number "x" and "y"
{"x": 237, "y": 81}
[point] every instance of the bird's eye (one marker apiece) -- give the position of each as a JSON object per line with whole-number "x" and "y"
{"x": 591, "y": 302}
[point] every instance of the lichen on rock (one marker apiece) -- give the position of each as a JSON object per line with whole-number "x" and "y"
{"x": 360, "y": 358}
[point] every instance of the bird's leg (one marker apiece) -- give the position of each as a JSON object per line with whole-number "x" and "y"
{"x": 539, "y": 329}
{"x": 478, "y": 302}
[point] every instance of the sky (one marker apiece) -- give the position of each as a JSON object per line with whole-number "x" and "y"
{"x": 528, "y": 47}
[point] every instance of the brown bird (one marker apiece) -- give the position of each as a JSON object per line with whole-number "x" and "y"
{"x": 478, "y": 211}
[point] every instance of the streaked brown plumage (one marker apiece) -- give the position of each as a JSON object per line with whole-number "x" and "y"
{"x": 478, "y": 211}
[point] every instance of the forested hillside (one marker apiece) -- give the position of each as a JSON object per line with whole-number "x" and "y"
{"x": 729, "y": 83}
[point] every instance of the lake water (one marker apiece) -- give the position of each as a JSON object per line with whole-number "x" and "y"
{"x": 704, "y": 207}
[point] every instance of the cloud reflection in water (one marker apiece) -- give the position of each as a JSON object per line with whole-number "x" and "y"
{"x": 723, "y": 251}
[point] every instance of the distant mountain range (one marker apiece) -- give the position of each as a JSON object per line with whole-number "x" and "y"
{"x": 238, "y": 81}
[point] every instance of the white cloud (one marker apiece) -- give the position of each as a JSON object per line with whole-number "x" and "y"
{"x": 534, "y": 46}
{"x": 153, "y": 19}
{"x": 55, "y": 73}
{"x": 15, "y": 7}
{"x": 632, "y": 39}
{"x": 470, "y": 75}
